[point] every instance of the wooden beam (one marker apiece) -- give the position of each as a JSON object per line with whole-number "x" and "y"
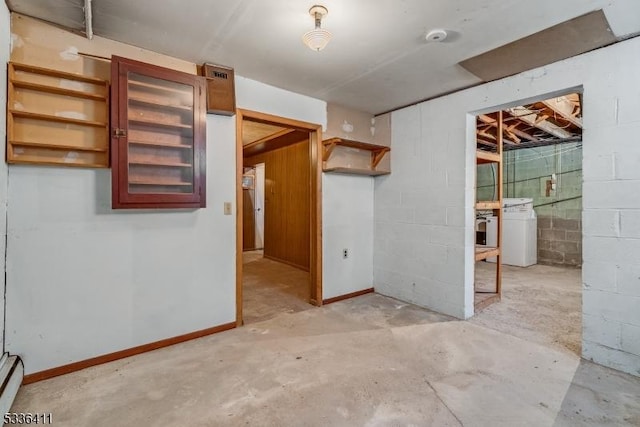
{"x": 498, "y": 212}
{"x": 541, "y": 118}
{"x": 268, "y": 138}
{"x": 483, "y": 157}
{"x": 525, "y": 134}
{"x": 530, "y": 117}
{"x": 292, "y": 136}
{"x": 511, "y": 135}
{"x": 488, "y": 120}
{"x": 490, "y": 205}
{"x": 484, "y": 252}
{"x": 565, "y": 109}
{"x": 485, "y": 134}
{"x": 486, "y": 143}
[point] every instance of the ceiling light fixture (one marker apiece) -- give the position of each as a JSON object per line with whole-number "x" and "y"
{"x": 317, "y": 39}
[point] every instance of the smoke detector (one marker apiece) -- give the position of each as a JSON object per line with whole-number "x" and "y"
{"x": 436, "y": 35}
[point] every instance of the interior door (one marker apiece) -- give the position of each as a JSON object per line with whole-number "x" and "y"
{"x": 248, "y": 208}
{"x": 259, "y": 206}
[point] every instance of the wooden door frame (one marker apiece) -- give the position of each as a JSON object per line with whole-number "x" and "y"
{"x": 315, "y": 223}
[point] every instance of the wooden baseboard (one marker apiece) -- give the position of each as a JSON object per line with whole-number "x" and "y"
{"x": 485, "y": 300}
{"x": 76, "y": 366}
{"x": 284, "y": 261}
{"x": 347, "y": 296}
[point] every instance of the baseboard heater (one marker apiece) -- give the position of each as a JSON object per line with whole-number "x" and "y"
{"x": 11, "y": 374}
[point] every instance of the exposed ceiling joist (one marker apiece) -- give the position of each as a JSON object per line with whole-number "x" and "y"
{"x": 512, "y": 132}
{"x": 544, "y": 122}
{"x": 531, "y": 118}
{"x": 565, "y": 109}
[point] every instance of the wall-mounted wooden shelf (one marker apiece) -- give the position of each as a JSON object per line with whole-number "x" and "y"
{"x": 483, "y": 157}
{"x": 355, "y": 171}
{"x": 160, "y": 163}
{"x": 59, "y": 119}
{"x": 490, "y": 205}
{"x": 159, "y": 124}
{"x": 377, "y": 153}
{"x": 57, "y": 90}
{"x": 161, "y": 144}
{"x": 159, "y": 87}
{"x": 64, "y": 147}
{"x": 158, "y": 104}
{"x": 56, "y": 118}
{"x": 484, "y": 252}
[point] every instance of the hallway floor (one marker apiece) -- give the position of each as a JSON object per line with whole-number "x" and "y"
{"x": 367, "y": 361}
{"x": 270, "y": 288}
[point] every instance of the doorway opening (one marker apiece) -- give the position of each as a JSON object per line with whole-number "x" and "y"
{"x": 528, "y": 230}
{"x": 279, "y": 245}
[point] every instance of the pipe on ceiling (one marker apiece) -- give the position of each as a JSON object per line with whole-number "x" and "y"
{"x": 88, "y": 18}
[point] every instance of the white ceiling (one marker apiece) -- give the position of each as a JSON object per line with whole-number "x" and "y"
{"x": 377, "y": 60}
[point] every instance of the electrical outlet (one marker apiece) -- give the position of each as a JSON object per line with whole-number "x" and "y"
{"x": 345, "y": 253}
{"x": 227, "y": 208}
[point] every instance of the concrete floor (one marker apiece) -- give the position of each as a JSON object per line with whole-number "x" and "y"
{"x": 540, "y": 303}
{"x": 270, "y": 288}
{"x": 368, "y": 361}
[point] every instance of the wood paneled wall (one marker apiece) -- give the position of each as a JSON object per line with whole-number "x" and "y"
{"x": 287, "y": 203}
{"x": 248, "y": 220}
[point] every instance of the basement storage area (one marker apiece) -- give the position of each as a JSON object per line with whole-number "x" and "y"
{"x": 209, "y": 244}
{"x": 529, "y": 208}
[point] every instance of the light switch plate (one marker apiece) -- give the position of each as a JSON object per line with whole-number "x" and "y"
{"x": 227, "y": 208}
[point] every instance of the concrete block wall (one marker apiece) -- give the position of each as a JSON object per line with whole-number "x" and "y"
{"x": 419, "y": 242}
{"x": 559, "y": 213}
{"x": 560, "y": 239}
{"x": 424, "y": 216}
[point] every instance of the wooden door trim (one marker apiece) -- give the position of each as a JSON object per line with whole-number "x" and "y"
{"x": 315, "y": 156}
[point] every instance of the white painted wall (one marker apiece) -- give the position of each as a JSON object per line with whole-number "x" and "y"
{"x": 347, "y": 224}
{"x": 426, "y": 204}
{"x": 256, "y": 96}
{"x": 84, "y": 280}
{"x": 5, "y": 41}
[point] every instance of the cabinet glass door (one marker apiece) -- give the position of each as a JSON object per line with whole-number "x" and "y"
{"x": 160, "y": 123}
{"x": 160, "y": 137}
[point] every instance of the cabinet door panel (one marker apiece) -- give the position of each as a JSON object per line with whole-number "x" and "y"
{"x": 158, "y": 137}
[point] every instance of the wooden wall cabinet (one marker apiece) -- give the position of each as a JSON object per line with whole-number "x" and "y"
{"x": 56, "y": 118}
{"x": 221, "y": 89}
{"x": 158, "y": 121}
